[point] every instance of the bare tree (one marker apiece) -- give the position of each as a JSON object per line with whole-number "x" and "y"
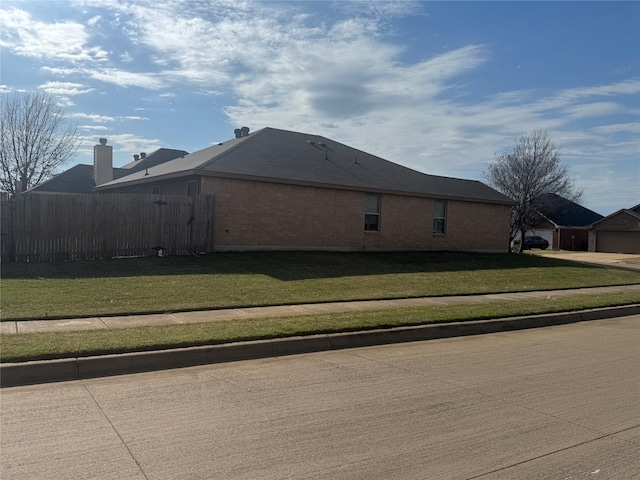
{"x": 35, "y": 140}
{"x": 528, "y": 173}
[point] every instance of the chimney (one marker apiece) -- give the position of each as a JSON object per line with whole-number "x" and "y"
{"x": 102, "y": 162}
{"x": 143, "y": 155}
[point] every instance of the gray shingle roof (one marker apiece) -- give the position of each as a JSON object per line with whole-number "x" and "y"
{"x": 157, "y": 157}
{"x": 289, "y": 157}
{"x": 566, "y": 213}
{"x": 78, "y": 179}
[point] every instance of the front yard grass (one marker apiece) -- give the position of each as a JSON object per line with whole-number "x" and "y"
{"x": 224, "y": 280}
{"x": 41, "y": 346}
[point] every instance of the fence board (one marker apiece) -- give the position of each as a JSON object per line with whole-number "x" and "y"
{"x": 37, "y": 228}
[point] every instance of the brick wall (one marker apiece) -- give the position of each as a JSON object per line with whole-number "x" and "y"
{"x": 592, "y": 241}
{"x": 622, "y": 222}
{"x": 263, "y": 215}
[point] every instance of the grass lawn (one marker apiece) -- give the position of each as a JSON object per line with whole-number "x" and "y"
{"x": 145, "y": 285}
{"x": 40, "y": 346}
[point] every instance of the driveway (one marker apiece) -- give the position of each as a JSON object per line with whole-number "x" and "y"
{"x": 629, "y": 260}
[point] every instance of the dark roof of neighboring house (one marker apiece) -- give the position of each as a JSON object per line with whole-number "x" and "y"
{"x": 155, "y": 158}
{"x": 80, "y": 179}
{"x": 565, "y": 213}
{"x": 298, "y": 158}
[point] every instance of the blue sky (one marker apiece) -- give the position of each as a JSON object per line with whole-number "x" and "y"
{"x": 440, "y": 87}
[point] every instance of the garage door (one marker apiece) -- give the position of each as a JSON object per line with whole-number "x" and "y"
{"x": 618, "y": 242}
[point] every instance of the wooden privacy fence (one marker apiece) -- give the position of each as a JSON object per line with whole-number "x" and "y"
{"x": 37, "y": 228}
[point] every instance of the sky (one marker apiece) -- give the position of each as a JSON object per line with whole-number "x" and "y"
{"x": 440, "y": 87}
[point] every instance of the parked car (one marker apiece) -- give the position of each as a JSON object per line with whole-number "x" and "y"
{"x": 535, "y": 242}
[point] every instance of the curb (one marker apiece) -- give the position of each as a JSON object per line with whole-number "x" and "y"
{"x": 79, "y": 368}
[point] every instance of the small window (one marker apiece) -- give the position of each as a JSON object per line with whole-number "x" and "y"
{"x": 440, "y": 217}
{"x": 372, "y": 213}
{"x": 156, "y": 190}
{"x": 192, "y": 188}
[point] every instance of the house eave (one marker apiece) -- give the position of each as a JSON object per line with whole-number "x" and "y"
{"x": 282, "y": 181}
{"x": 145, "y": 180}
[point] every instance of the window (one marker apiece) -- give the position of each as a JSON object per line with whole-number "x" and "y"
{"x": 192, "y": 188}
{"x": 440, "y": 217}
{"x": 156, "y": 190}
{"x": 372, "y": 213}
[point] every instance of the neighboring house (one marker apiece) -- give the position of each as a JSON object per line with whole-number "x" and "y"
{"x": 617, "y": 233}
{"x": 83, "y": 178}
{"x": 565, "y": 224}
{"x": 276, "y": 189}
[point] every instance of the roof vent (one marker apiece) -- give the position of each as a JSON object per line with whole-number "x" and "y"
{"x": 142, "y": 155}
{"x": 241, "y": 132}
{"x": 136, "y": 157}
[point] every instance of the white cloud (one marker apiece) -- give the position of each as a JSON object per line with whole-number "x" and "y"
{"x": 280, "y": 65}
{"x": 127, "y": 79}
{"x": 114, "y": 76}
{"x": 127, "y": 144}
{"x": 92, "y": 117}
{"x": 65, "y": 88}
{"x": 618, "y": 128}
{"x": 8, "y": 89}
{"x": 94, "y": 20}
{"x": 92, "y": 127}
{"x": 124, "y": 145}
{"x": 59, "y": 41}
{"x": 102, "y": 118}
{"x": 596, "y": 109}
{"x": 626, "y": 87}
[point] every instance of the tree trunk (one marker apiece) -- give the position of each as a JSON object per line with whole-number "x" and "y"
{"x": 522, "y": 232}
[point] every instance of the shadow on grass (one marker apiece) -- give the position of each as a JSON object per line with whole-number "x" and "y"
{"x": 287, "y": 266}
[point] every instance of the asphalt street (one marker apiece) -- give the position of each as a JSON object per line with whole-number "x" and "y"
{"x": 560, "y": 403}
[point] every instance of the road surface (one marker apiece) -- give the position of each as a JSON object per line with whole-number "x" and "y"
{"x": 550, "y": 403}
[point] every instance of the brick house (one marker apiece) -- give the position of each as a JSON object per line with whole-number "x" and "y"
{"x": 564, "y": 224}
{"x": 617, "y": 233}
{"x": 277, "y": 189}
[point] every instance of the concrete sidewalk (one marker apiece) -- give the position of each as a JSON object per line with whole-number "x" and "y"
{"x": 102, "y": 323}
{"x": 68, "y": 369}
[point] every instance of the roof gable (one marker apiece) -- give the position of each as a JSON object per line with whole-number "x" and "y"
{"x": 290, "y": 157}
{"x": 626, "y": 212}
